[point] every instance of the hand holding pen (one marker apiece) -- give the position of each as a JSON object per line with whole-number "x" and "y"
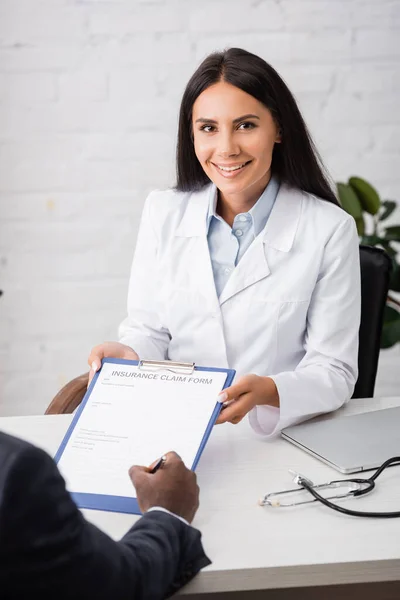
{"x": 167, "y": 483}
{"x": 158, "y": 464}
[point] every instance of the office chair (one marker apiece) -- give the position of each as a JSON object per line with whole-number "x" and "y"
{"x": 376, "y": 267}
{"x": 375, "y": 271}
{"x": 69, "y": 397}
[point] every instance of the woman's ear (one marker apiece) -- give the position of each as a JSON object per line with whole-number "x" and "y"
{"x": 278, "y": 138}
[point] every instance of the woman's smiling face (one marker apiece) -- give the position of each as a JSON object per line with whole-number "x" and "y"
{"x": 234, "y": 136}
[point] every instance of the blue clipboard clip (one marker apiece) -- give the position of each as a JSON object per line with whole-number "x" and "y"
{"x": 167, "y": 365}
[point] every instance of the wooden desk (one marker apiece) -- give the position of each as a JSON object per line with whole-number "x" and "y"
{"x": 289, "y": 552}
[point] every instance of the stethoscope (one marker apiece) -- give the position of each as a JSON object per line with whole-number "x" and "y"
{"x": 354, "y": 488}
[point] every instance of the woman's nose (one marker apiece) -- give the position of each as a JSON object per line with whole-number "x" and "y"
{"x": 227, "y": 147}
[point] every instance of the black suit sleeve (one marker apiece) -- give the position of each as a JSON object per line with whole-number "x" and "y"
{"x": 46, "y": 546}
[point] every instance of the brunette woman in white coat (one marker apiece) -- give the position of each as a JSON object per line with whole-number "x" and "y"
{"x": 249, "y": 262}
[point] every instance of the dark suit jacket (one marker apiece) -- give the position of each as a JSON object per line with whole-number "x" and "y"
{"x": 48, "y": 550}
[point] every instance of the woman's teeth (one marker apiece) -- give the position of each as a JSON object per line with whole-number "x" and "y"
{"x": 235, "y": 168}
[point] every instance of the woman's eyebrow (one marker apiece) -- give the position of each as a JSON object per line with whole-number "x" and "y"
{"x": 242, "y": 118}
{"x": 203, "y": 120}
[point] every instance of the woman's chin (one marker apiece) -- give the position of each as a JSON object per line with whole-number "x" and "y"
{"x": 231, "y": 187}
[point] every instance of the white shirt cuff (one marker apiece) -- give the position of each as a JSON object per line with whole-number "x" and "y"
{"x": 169, "y": 513}
{"x": 265, "y": 420}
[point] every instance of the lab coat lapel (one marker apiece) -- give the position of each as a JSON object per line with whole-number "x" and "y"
{"x": 194, "y": 227}
{"x": 252, "y": 268}
{"x": 279, "y": 233}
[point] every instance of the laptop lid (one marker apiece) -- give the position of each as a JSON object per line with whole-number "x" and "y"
{"x": 350, "y": 444}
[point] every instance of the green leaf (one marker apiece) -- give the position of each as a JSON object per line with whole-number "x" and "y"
{"x": 390, "y": 315}
{"x": 367, "y": 195}
{"x": 388, "y": 206}
{"x": 360, "y": 223}
{"x": 373, "y": 240}
{"x": 395, "y": 277}
{"x": 391, "y": 328}
{"x": 393, "y": 233}
{"x": 349, "y": 200}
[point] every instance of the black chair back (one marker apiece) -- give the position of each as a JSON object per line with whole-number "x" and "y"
{"x": 375, "y": 273}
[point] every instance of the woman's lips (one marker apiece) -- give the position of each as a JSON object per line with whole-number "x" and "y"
{"x": 230, "y": 173}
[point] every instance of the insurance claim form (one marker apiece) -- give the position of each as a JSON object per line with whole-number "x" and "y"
{"x": 132, "y": 417}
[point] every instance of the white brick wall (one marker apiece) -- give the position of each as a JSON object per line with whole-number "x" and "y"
{"x": 89, "y": 96}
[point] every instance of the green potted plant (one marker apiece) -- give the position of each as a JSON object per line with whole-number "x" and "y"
{"x": 361, "y": 200}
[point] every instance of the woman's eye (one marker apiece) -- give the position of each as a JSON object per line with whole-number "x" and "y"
{"x": 246, "y": 125}
{"x": 207, "y": 128}
{"x": 242, "y": 126}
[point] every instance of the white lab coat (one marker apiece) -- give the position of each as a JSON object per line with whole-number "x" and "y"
{"x": 290, "y": 309}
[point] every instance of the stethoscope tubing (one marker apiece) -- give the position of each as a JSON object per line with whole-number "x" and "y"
{"x": 370, "y": 485}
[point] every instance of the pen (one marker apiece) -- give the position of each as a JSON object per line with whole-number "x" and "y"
{"x": 158, "y": 464}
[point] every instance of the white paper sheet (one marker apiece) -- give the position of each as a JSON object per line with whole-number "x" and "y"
{"x": 134, "y": 417}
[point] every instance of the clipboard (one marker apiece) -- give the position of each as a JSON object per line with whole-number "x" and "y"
{"x": 122, "y": 502}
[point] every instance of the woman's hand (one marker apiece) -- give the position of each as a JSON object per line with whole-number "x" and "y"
{"x": 108, "y": 350}
{"x": 248, "y": 392}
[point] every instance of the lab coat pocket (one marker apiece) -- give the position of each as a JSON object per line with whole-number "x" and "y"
{"x": 275, "y": 330}
{"x": 261, "y": 333}
{"x": 291, "y": 331}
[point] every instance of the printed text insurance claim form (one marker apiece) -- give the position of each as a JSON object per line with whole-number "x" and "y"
{"x": 134, "y": 416}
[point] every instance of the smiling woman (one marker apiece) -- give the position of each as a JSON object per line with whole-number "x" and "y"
{"x": 235, "y": 152}
{"x": 249, "y": 262}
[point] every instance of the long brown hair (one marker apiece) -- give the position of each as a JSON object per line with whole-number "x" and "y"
{"x": 295, "y": 160}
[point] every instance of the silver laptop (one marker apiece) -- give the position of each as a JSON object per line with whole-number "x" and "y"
{"x": 350, "y": 444}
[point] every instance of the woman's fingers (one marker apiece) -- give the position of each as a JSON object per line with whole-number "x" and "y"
{"x": 250, "y": 391}
{"x": 231, "y": 399}
{"x": 242, "y": 386}
{"x": 235, "y": 411}
{"x": 108, "y": 350}
{"x": 93, "y": 369}
{"x": 95, "y": 357}
{"x": 237, "y": 400}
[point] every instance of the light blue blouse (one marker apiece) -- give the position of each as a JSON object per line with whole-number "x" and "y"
{"x": 227, "y": 245}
